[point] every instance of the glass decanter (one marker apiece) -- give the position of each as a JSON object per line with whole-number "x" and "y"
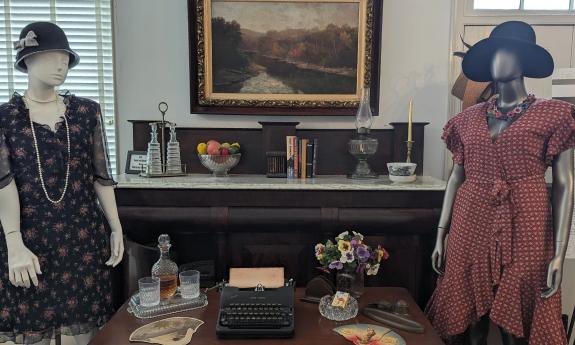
{"x": 154, "y": 157}
{"x": 166, "y": 269}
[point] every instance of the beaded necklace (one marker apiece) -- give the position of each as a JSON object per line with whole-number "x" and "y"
{"x": 38, "y": 160}
{"x": 493, "y": 111}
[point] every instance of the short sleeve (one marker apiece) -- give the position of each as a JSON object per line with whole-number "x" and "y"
{"x": 100, "y": 159}
{"x": 563, "y": 137}
{"x": 452, "y": 140}
{"x": 5, "y": 167}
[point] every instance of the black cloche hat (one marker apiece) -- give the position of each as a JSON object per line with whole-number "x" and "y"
{"x": 41, "y": 37}
{"x": 517, "y": 36}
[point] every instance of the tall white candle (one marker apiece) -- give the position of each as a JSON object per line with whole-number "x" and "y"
{"x": 410, "y": 121}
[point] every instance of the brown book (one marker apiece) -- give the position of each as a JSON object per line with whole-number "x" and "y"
{"x": 303, "y": 159}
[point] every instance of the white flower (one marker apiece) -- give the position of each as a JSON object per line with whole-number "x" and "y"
{"x": 372, "y": 270}
{"x": 358, "y": 235}
{"x": 347, "y": 257}
{"x": 342, "y": 235}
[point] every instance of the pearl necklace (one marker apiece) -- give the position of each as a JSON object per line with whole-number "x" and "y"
{"x": 38, "y": 161}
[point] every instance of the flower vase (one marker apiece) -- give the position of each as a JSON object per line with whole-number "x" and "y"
{"x": 351, "y": 281}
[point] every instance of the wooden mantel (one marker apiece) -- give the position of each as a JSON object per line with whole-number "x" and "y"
{"x": 250, "y": 220}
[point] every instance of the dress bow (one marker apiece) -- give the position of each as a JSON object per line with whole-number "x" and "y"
{"x": 28, "y": 41}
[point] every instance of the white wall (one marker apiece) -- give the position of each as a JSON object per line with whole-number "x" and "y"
{"x": 151, "y": 40}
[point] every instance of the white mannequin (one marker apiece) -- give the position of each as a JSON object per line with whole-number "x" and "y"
{"x": 46, "y": 71}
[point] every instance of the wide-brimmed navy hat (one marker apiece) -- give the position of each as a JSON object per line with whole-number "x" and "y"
{"x": 518, "y": 36}
{"x": 41, "y": 37}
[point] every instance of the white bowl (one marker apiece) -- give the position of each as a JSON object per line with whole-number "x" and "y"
{"x": 402, "y": 172}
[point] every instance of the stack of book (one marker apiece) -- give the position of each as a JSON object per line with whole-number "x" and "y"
{"x": 301, "y": 157}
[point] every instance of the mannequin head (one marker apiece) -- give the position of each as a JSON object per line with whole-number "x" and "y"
{"x": 48, "y": 68}
{"x": 506, "y": 65}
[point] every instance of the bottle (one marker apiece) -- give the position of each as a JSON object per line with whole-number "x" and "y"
{"x": 166, "y": 269}
{"x": 154, "y": 158}
{"x": 173, "y": 160}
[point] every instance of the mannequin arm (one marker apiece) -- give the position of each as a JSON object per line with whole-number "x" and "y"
{"x": 23, "y": 265}
{"x": 456, "y": 179}
{"x": 562, "y": 208}
{"x": 107, "y": 200}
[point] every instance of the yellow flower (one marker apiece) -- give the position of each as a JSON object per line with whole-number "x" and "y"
{"x": 344, "y": 246}
{"x": 381, "y": 253}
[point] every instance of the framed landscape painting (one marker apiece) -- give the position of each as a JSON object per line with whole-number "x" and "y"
{"x": 283, "y": 57}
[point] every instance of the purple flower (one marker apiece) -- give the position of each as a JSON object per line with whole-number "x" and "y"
{"x": 354, "y": 243}
{"x": 362, "y": 253}
{"x": 336, "y": 264}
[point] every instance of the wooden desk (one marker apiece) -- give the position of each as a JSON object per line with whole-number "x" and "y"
{"x": 311, "y": 327}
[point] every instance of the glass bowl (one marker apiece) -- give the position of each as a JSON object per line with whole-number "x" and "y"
{"x": 338, "y": 313}
{"x": 219, "y": 165}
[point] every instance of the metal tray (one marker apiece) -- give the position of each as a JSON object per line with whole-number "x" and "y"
{"x": 176, "y": 304}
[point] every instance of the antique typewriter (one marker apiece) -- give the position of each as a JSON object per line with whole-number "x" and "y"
{"x": 256, "y": 312}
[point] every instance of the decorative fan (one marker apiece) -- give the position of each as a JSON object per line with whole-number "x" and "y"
{"x": 171, "y": 331}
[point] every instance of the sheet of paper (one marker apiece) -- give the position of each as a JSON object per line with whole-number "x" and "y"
{"x": 269, "y": 277}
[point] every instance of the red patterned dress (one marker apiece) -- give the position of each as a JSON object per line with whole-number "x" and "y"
{"x": 501, "y": 237}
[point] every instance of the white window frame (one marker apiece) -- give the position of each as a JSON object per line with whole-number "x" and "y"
{"x": 469, "y": 11}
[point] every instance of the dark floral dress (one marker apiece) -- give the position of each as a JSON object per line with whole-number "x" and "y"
{"x": 71, "y": 238}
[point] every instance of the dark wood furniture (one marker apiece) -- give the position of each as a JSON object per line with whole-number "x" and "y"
{"x": 311, "y": 327}
{"x": 232, "y": 225}
{"x": 333, "y": 158}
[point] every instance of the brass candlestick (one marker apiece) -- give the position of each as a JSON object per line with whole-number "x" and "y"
{"x": 409, "y": 150}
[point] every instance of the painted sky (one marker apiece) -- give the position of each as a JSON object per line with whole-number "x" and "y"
{"x": 264, "y": 16}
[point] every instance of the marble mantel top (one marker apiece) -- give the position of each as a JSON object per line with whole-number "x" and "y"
{"x": 261, "y": 182}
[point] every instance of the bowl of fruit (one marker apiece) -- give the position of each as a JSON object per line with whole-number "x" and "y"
{"x": 219, "y": 158}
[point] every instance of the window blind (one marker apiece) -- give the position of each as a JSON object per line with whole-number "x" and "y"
{"x": 88, "y": 25}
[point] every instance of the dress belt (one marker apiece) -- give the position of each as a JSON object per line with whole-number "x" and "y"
{"x": 501, "y": 236}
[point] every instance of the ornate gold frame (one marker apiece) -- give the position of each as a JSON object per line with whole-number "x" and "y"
{"x": 203, "y": 101}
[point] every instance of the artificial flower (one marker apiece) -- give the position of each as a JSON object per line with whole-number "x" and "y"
{"x": 344, "y": 246}
{"x": 358, "y": 235}
{"x": 381, "y": 253}
{"x": 347, "y": 257}
{"x": 372, "y": 269}
{"x": 336, "y": 264}
{"x": 342, "y": 235}
{"x": 319, "y": 250}
{"x": 362, "y": 252}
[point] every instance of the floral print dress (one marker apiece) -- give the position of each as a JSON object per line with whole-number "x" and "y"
{"x": 70, "y": 238}
{"x": 501, "y": 236}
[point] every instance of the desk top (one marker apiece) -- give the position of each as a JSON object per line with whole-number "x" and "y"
{"x": 261, "y": 182}
{"x": 311, "y": 327}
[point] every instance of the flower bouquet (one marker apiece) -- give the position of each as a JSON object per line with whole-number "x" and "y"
{"x": 350, "y": 258}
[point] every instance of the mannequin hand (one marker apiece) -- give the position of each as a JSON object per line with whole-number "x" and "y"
{"x": 23, "y": 265}
{"x": 554, "y": 277}
{"x": 116, "y": 248}
{"x": 438, "y": 257}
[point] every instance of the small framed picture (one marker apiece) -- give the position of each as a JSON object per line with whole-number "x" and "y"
{"x": 135, "y": 162}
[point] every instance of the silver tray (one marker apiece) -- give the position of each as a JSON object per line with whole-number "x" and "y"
{"x": 173, "y": 305}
